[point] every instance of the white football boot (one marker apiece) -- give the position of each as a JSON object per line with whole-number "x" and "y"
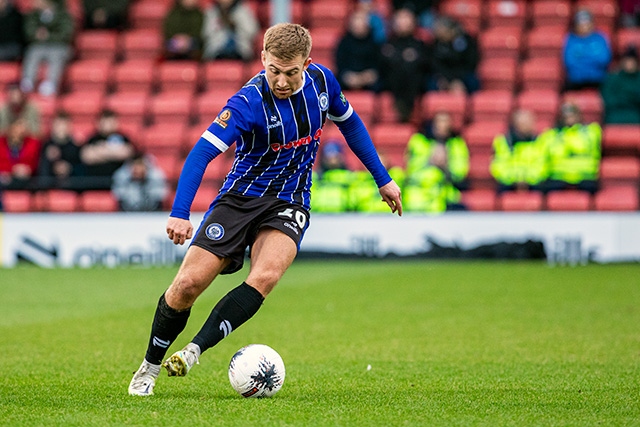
{"x": 181, "y": 362}
{"x": 144, "y": 379}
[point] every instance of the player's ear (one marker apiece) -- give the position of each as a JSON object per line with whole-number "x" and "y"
{"x": 263, "y": 58}
{"x": 306, "y": 63}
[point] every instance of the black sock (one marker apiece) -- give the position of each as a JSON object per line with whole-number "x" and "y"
{"x": 235, "y": 308}
{"x": 167, "y": 325}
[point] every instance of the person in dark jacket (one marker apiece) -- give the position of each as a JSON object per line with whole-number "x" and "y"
{"x": 404, "y": 63}
{"x": 358, "y": 55}
{"x": 11, "y": 36}
{"x": 105, "y": 13}
{"x": 60, "y": 163}
{"x": 182, "y": 29}
{"x": 454, "y": 57}
{"x": 621, "y": 91}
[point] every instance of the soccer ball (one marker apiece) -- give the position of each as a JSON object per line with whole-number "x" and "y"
{"x": 256, "y": 370}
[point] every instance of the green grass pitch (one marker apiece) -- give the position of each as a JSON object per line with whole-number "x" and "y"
{"x": 449, "y": 344}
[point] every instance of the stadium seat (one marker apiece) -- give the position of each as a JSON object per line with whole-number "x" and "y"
{"x": 61, "y": 200}
{"x": 134, "y": 75}
{"x": 148, "y": 13}
{"x": 98, "y": 201}
{"x": 506, "y": 13}
{"x": 498, "y": 73}
{"x": 131, "y": 107}
{"x": 171, "y": 107}
{"x": 617, "y": 198}
{"x": 545, "y": 42}
{"x": 47, "y": 105}
{"x": 392, "y": 136}
{"x": 479, "y": 199}
{"x": 325, "y": 40}
{"x": 97, "y": 44}
{"x": 479, "y": 173}
{"x": 521, "y": 201}
{"x": 178, "y": 76}
{"x": 209, "y": 104}
{"x": 163, "y": 138}
{"x": 9, "y": 72}
{"x": 223, "y": 73}
{"x": 88, "y": 75}
{"x": 546, "y": 13}
{"x": 491, "y": 105}
{"x": 467, "y": 12}
{"x": 626, "y": 37}
{"x": 364, "y": 103}
{"x": 621, "y": 139}
{"x": 16, "y": 201}
{"x": 590, "y": 104}
{"x": 479, "y": 136}
{"x": 168, "y": 163}
{"x": 541, "y": 73}
{"x": 141, "y": 44}
{"x": 386, "y": 111}
{"x": 82, "y": 130}
{"x": 620, "y": 169}
{"x": 453, "y": 103}
{"x": 568, "y": 200}
{"x": 543, "y": 102}
{"x": 205, "y": 195}
{"x": 604, "y": 12}
{"x": 327, "y": 14}
{"x": 83, "y": 107}
{"x": 501, "y": 42}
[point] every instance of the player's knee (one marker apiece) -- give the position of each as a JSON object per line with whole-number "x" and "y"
{"x": 187, "y": 288}
{"x": 264, "y": 281}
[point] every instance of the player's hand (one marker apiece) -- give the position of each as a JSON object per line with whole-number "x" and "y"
{"x": 390, "y": 193}
{"x": 179, "y": 230}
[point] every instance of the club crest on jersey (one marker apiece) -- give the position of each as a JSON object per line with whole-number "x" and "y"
{"x": 214, "y": 231}
{"x": 323, "y": 101}
{"x": 223, "y": 119}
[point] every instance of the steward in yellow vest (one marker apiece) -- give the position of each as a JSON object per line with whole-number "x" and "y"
{"x": 330, "y": 186}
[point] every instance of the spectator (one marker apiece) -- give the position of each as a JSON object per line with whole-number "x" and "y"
{"x": 454, "y": 57}
{"x": 11, "y": 36}
{"x": 574, "y": 152}
{"x": 105, "y": 152}
{"x": 376, "y": 22}
{"x": 586, "y": 54}
{"x": 49, "y": 31}
{"x": 60, "y": 160}
{"x": 630, "y": 13}
{"x": 230, "y": 29}
{"x": 519, "y": 157}
{"x": 105, "y": 13}
{"x": 621, "y": 91}
{"x": 330, "y": 190}
{"x": 182, "y": 29}
{"x": 425, "y": 10}
{"x": 358, "y": 55}
{"x": 363, "y": 191}
{"x": 19, "y": 154}
{"x": 139, "y": 186}
{"x": 17, "y": 107}
{"x": 404, "y": 63}
{"x": 437, "y": 167}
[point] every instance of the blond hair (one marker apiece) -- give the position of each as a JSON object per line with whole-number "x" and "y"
{"x": 287, "y": 41}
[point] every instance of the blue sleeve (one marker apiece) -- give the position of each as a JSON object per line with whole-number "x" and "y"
{"x": 602, "y": 55}
{"x": 191, "y": 177}
{"x": 359, "y": 141}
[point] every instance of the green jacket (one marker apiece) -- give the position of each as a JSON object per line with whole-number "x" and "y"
{"x": 522, "y": 162}
{"x": 180, "y": 20}
{"x": 420, "y": 149}
{"x": 574, "y": 152}
{"x": 60, "y": 27}
{"x": 621, "y": 94}
{"x": 330, "y": 191}
{"x": 364, "y": 194}
{"x": 429, "y": 190}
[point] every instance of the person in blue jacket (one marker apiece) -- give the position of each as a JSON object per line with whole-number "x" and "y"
{"x": 586, "y": 54}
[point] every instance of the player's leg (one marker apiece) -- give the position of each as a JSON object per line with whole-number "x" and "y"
{"x": 197, "y": 271}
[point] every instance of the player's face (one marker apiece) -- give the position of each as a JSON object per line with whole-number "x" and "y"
{"x": 284, "y": 76}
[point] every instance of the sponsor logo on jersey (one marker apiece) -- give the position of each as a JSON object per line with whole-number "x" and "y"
{"x": 223, "y": 119}
{"x": 343, "y": 98}
{"x": 214, "y": 231}
{"x": 305, "y": 140}
{"x": 323, "y": 101}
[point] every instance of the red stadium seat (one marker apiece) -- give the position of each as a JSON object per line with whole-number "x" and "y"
{"x": 541, "y": 73}
{"x": 620, "y": 169}
{"x": 168, "y": 163}
{"x": 204, "y": 197}
{"x": 498, "y": 73}
{"x": 327, "y": 14}
{"x": 479, "y": 199}
{"x": 505, "y": 13}
{"x": 453, "y": 103}
{"x": 131, "y": 107}
{"x": 83, "y": 107}
{"x": 171, "y": 107}
{"x": 135, "y": 75}
{"x": 568, "y": 200}
{"x": 390, "y": 136}
{"x": 209, "y": 104}
{"x": 479, "y": 172}
{"x": 364, "y": 103}
{"x": 604, "y": 12}
{"x": 98, "y": 201}
{"x": 224, "y": 73}
{"x": 97, "y": 44}
{"x": 61, "y": 201}
{"x": 617, "y": 198}
{"x": 178, "y": 76}
{"x": 590, "y": 104}
{"x": 545, "y": 42}
{"x": 9, "y": 72}
{"x": 15, "y": 201}
{"x": 47, "y": 105}
{"x": 627, "y": 37}
{"x": 479, "y": 136}
{"x": 551, "y": 13}
{"x": 88, "y": 75}
{"x": 521, "y": 201}
{"x": 386, "y": 111}
{"x": 141, "y": 44}
{"x": 163, "y": 138}
{"x": 148, "y": 13}
{"x": 544, "y": 103}
{"x": 491, "y": 105}
{"x": 467, "y": 12}
{"x": 621, "y": 139}
{"x": 501, "y": 42}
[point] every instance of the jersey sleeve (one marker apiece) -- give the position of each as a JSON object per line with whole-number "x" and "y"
{"x": 234, "y": 119}
{"x": 339, "y": 108}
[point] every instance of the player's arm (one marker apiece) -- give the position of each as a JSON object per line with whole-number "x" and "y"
{"x": 359, "y": 141}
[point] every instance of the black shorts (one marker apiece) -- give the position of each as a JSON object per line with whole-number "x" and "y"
{"x": 235, "y": 220}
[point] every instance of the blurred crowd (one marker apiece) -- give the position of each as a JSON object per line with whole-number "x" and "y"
{"x": 407, "y": 52}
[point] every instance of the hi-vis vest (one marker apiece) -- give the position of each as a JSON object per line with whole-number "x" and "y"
{"x": 574, "y": 152}
{"x": 523, "y": 162}
{"x": 420, "y": 148}
{"x": 330, "y": 191}
{"x": 364, "y": 193}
